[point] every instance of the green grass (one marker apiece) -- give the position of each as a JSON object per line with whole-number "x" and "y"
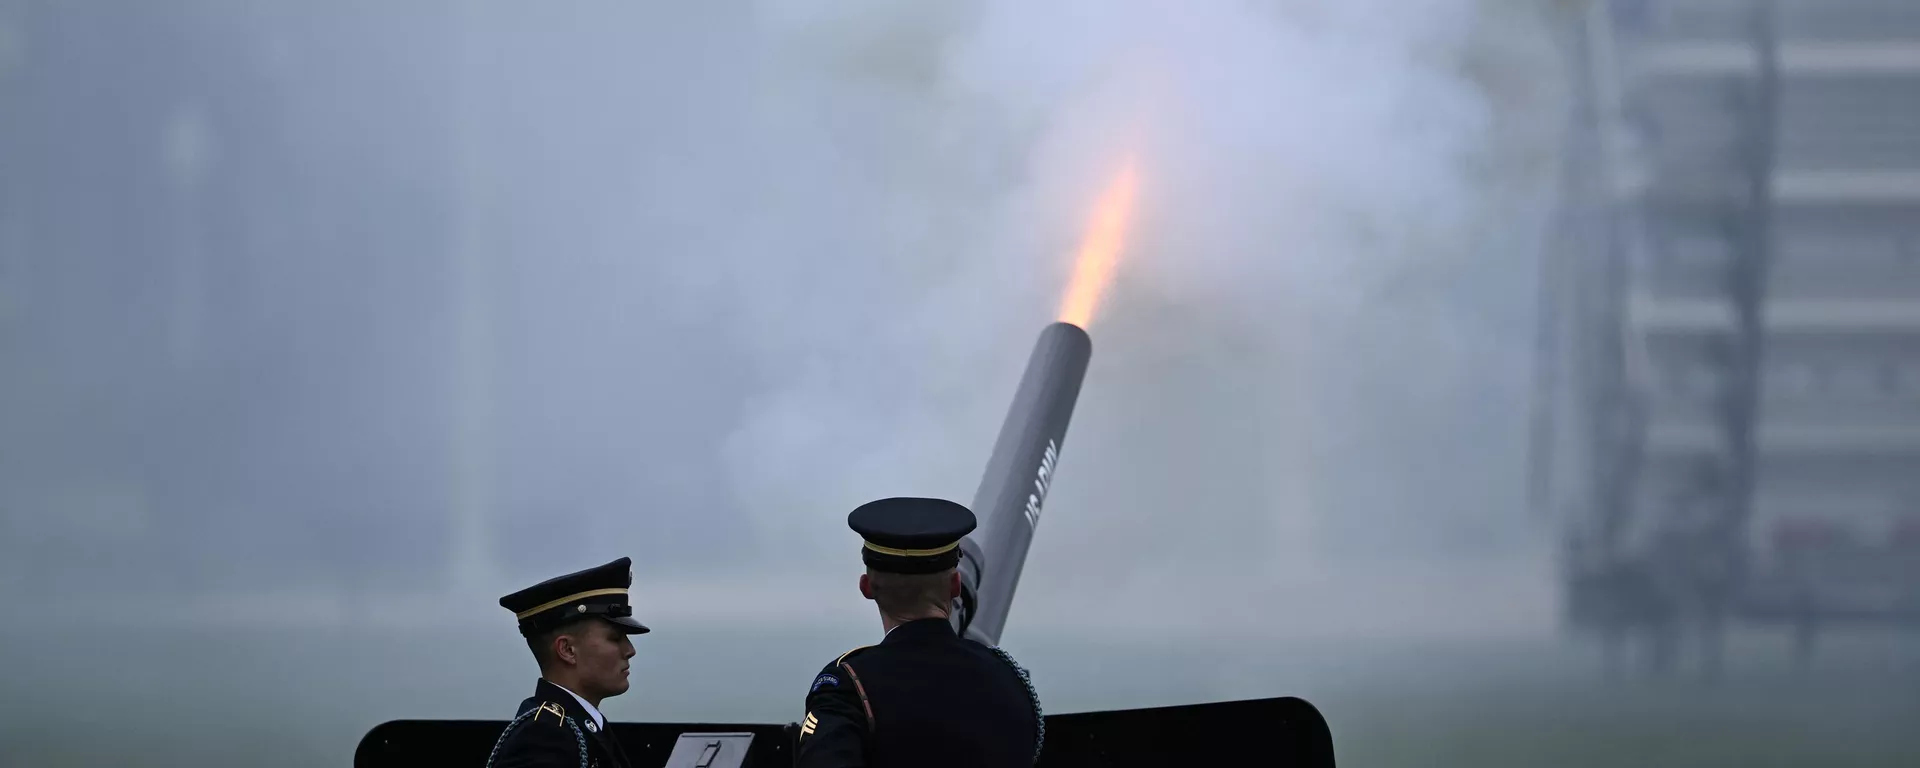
{"x": 303, "y": 699}
{"x": 1669, "y": 726}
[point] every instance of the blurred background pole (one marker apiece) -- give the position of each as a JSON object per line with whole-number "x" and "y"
{"x": 14, "y": 556}
{"x": 470, "y": 273}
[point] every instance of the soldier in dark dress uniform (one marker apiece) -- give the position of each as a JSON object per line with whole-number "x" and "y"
{"x": 577, "y": 626}
{"x": 925, "y": 696}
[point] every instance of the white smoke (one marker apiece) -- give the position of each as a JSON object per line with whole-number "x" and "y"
{"x": 1309, "y": 309}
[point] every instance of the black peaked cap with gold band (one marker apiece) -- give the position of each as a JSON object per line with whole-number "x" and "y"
{"x": 909, "y": 535}
{"x": 597, "y": 592}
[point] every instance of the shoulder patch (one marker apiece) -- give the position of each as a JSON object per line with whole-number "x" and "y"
{"x": 824, "y": 681}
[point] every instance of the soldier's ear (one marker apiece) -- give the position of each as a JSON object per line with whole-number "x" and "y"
{"x": 563, "y": 649}
{"x": 953, "y": 584}
{"x": 866, "y": 587}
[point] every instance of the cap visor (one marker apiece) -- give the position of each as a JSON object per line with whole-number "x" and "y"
{"x": 631, "y": 627}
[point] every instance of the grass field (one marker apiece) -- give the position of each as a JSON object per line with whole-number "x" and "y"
{"x": 1741, "y": 725}
{"x": 303, "y": 699}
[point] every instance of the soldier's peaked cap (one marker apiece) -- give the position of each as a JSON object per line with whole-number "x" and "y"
{"x": 909, "y": 535}
{"x": 597, "y": 592}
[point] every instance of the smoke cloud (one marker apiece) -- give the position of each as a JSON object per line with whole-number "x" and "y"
{"x": 1310, "y": 362}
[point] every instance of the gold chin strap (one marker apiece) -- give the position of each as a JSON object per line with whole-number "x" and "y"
{"x": 568, "y": 599}
{"x": 911, "y": 552}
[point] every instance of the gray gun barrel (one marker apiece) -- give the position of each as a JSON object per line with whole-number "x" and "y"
{"x": 1020, "y": 471}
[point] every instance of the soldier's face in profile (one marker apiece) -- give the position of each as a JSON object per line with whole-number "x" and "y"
{"x": 602, "y": 651}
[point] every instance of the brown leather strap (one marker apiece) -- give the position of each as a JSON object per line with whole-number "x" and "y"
{"x": 862, "y": 690}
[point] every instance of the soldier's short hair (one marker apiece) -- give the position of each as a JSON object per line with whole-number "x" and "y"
{"x": 541, "y": 644}
{"x": 911, "y": 594}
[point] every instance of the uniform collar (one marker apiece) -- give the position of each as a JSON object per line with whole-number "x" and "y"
{"x": 918, "y": 628}
{"x": 593, "y": 713}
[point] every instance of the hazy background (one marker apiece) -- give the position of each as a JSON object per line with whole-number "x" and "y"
{"x": 323, "y": 325}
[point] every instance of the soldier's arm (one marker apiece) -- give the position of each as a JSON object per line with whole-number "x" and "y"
{"x": 834, "y": 732}
{"x": 542, "y": 742}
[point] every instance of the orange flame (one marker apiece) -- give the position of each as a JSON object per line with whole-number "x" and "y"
{"x": 1100, "y": 248}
